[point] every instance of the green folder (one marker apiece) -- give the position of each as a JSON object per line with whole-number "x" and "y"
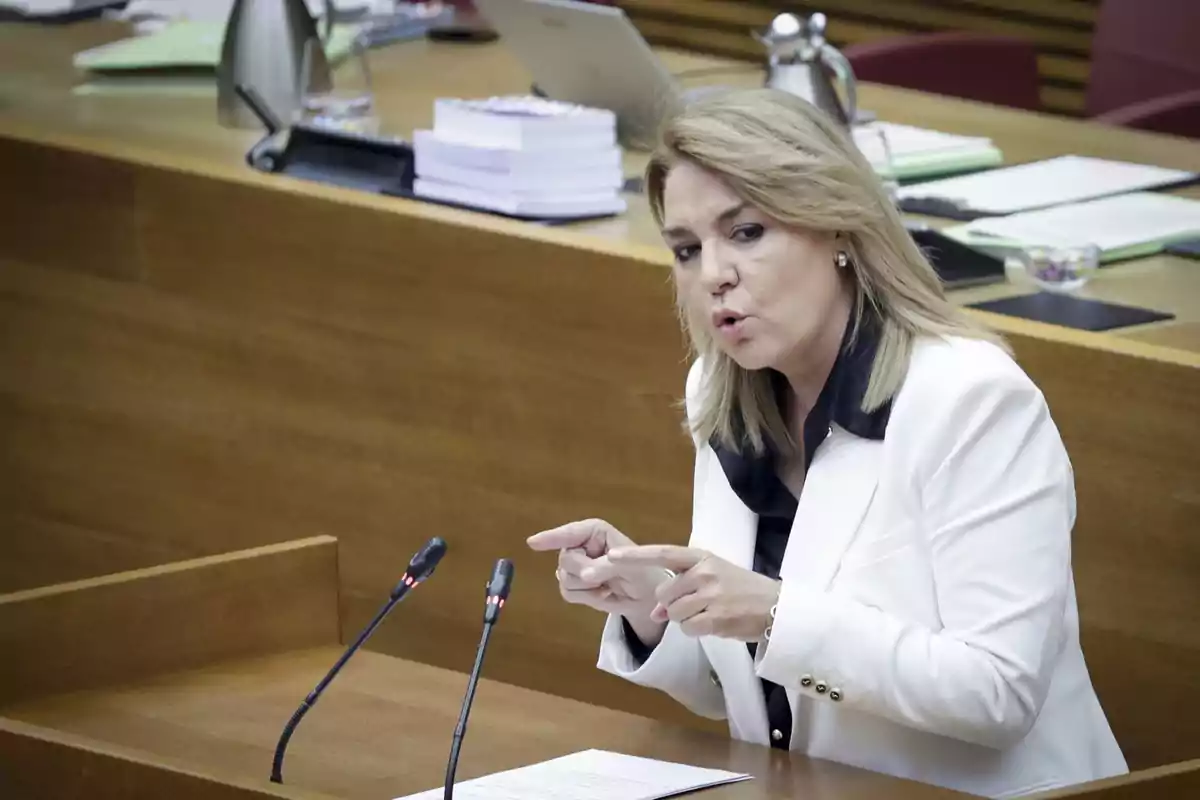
{"x": 1003, "y": 246}
{"x": 926, "y": 166}
{"x": 185, "y": 45}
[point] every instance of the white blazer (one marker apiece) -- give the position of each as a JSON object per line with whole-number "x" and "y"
{"x": 926, "y": 586}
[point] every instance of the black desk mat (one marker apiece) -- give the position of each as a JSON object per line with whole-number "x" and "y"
{"x": 1072, "y": 312}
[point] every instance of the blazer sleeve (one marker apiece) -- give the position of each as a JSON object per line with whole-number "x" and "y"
{"x": 998, "y": 505}
{"x": 677, "y": 665}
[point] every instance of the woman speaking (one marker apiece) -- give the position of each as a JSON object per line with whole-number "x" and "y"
{"x": 879, "y": 565}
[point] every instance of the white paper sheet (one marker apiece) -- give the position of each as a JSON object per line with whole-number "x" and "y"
{"x": 1067, "y": 179}
{"x": 589, "y": 775}
{"x": 1111, "y": 223}
{"x": 906, "y": 141}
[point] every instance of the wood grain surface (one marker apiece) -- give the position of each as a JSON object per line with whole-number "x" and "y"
{"x": 39, "y": 763}
{"x": 1170, "y": 781}
{"x": 383, "y": 729}
{"x": 122, "y": 627}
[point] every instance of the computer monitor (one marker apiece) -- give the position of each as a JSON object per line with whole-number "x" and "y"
{"x": 591, "y": 55}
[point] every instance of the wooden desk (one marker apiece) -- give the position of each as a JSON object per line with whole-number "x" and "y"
{"x": 198, "y": 358}
{"x": 382, "y": 729}
{"x": 143, "y": 684}
{"x": 41, "y": 100}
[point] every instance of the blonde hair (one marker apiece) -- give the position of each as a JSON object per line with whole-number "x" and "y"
{"x": 781, "y": 154}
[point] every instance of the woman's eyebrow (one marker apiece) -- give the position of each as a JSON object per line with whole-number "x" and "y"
{"x": 677, "y": 231}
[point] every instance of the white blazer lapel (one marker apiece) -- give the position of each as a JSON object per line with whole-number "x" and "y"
{"x": 837, "y": 492}
{"x": 727, "y": 528}
{"x": 724, "y": 526}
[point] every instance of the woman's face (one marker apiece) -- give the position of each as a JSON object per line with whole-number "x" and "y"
{"x": 769, "y": 295}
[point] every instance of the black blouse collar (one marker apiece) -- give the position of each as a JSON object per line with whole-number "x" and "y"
{"x": 841, "y": 398}
{"x": 753, "y": 477}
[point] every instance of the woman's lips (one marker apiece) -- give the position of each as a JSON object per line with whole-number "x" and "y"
{"x": 730, "y": 325}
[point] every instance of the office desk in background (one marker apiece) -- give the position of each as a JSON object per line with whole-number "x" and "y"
{"x": 199, "y": 358}
{"x": 36, "y": 78}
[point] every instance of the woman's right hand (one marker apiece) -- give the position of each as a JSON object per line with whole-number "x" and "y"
{"x": 587, "y": 577}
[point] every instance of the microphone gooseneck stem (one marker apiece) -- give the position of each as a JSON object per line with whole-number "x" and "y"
{"x": 460, "y": 730}
{"x": 284, "y": 738}
{"x": 277, "y": 764}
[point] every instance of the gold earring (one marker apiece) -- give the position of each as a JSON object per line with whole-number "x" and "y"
{"x": 841, "y": 259}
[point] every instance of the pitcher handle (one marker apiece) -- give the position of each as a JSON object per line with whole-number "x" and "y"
{"x": 845, "y": 73}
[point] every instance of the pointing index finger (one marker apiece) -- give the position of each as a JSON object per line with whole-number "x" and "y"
{"x": 564, "y": 537}
{"x": 590, "y": 535}
{"x": 667, "y": 556}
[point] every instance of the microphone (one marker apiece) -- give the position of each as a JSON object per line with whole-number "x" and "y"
{"x": 497, "y": 592}
{"x": 419, "y": 568}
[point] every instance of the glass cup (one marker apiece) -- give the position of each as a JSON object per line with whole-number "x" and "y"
{"x": 348, "y": 105}
{"x": 1059, "y": 268}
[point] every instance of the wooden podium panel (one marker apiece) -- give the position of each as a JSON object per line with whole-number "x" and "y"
{"x": 128, "y": 721}
{"x": 383, "y": 729}
{"x": 119, "y": 628}
{"x": 181, "y": 678}
{"x": 42, "y": 764}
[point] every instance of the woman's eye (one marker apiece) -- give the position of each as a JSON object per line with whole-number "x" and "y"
{"x": 746, "y": 233}
{"x": 686, "y": 252}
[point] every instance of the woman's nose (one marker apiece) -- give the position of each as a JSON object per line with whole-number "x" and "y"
{"x": 717, "y": 271}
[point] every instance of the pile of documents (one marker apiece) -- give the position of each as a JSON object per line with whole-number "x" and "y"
{"x": 1068, "y": 201}
{"x": 1122, "y": 226}
{"x": 903, "y": 152}
{"x": 521, "y": 156}
{"x": 1041, "y": 184}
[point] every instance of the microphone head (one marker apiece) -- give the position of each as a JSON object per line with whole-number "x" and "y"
{"x": 426, "y": 559}
{"x": 497, "y": 590}
{"x": 501, "y": 582}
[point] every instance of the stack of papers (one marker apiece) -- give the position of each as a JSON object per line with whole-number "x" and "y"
{"x": 1125, "y": 226}
{"x": 1040, "y": 184}
{"x": 921, "y": 153}
{"x": 589, "y": 775}
{"x": 521, "y": 156}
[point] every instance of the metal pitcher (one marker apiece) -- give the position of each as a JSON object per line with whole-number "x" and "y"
{"x": 800, "y": 61}
{"x": 272, "y": 47}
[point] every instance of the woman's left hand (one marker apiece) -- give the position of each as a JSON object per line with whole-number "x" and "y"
{"x": 708, "y": 596}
